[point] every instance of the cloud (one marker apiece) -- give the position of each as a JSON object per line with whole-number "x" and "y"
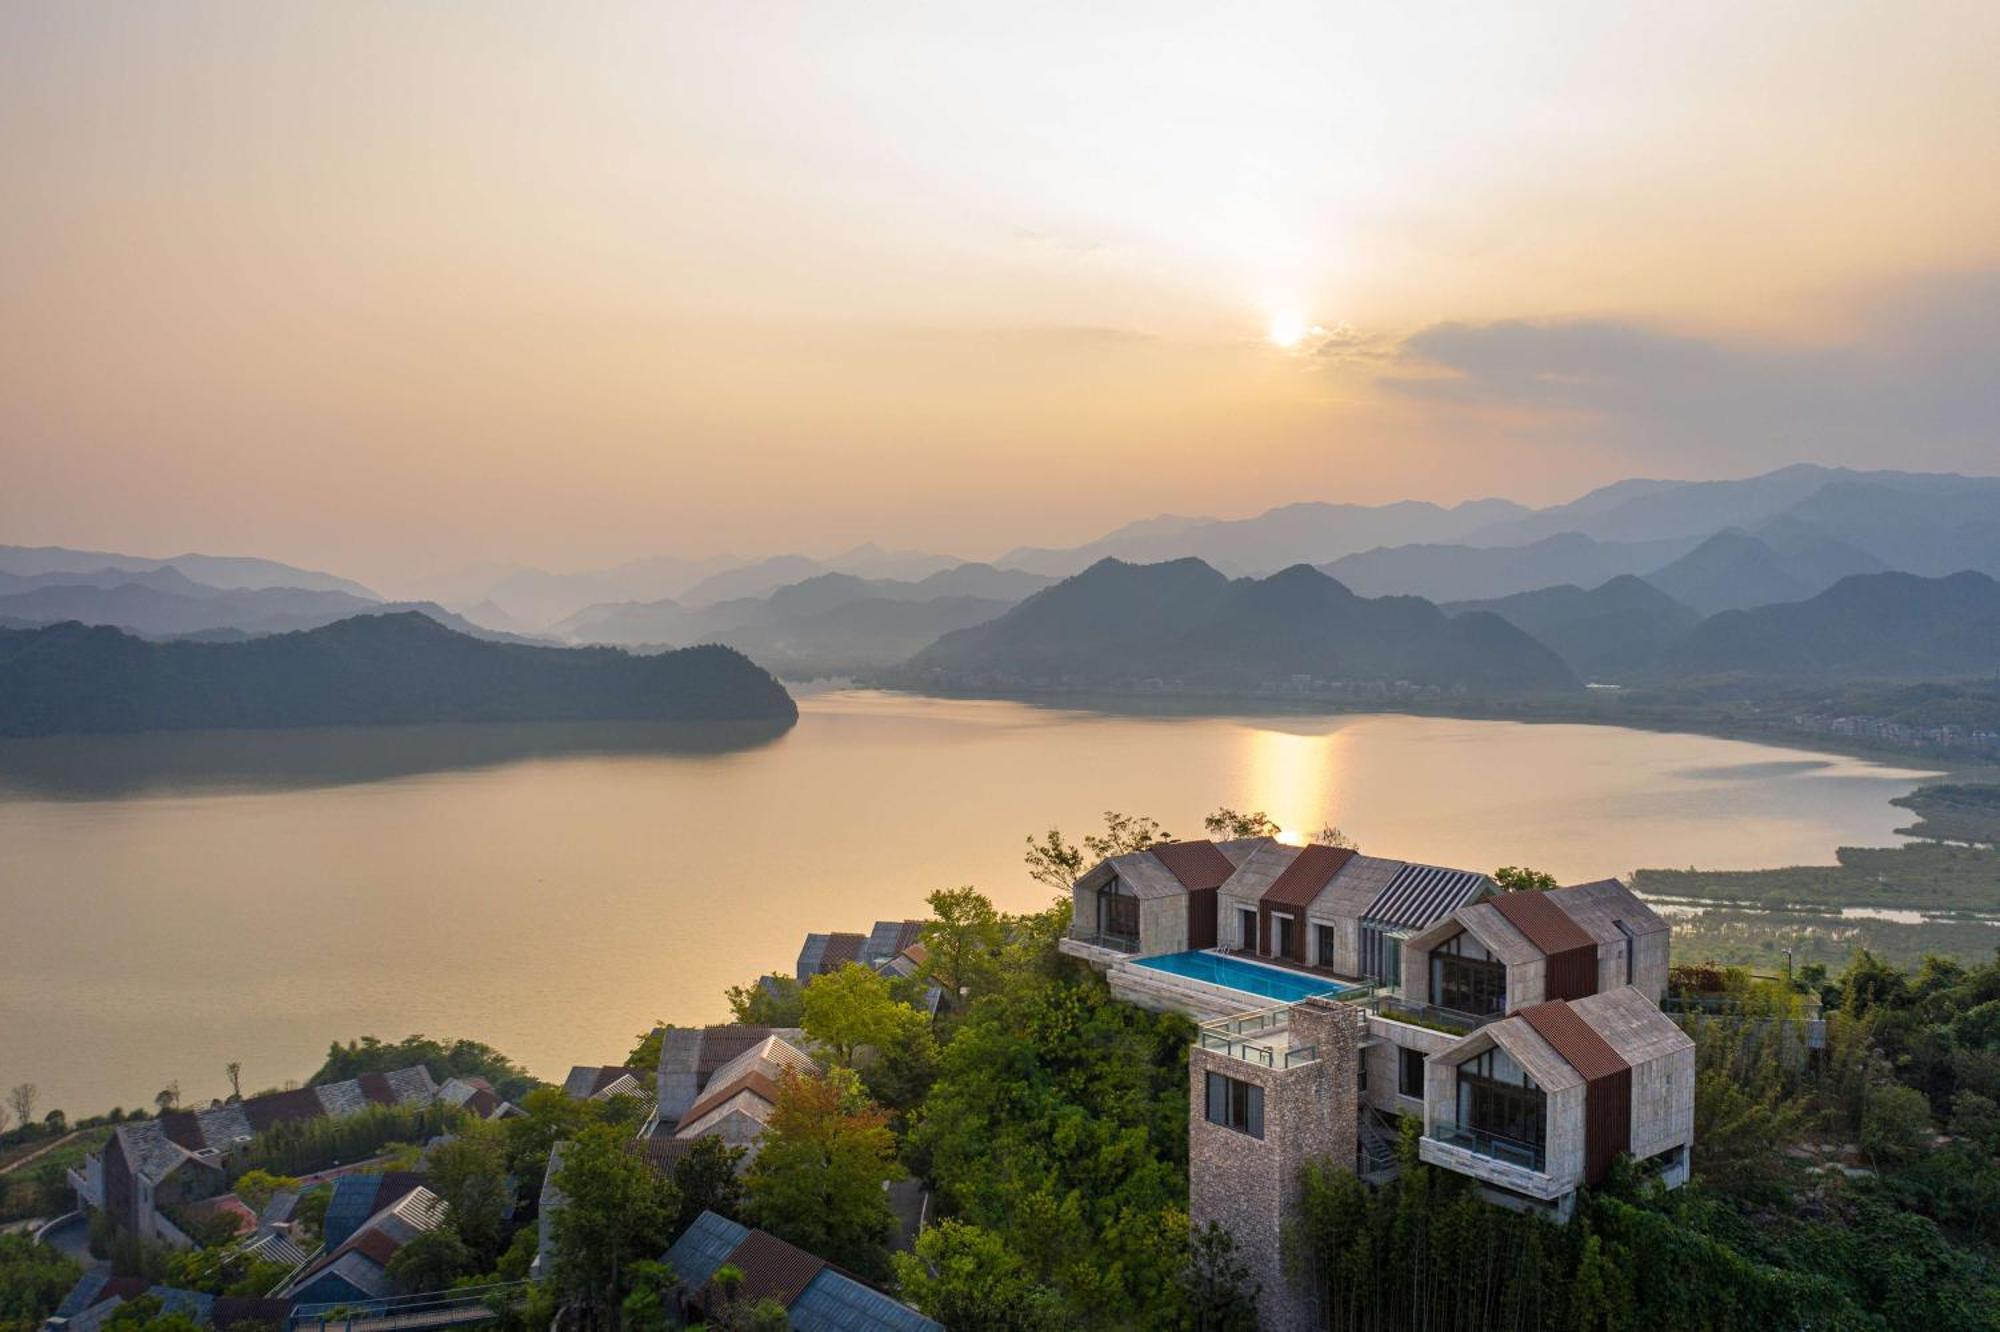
{"x": 1921, "y": 371}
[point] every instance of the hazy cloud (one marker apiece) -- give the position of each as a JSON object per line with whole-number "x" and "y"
{"x": 1921, "y": 370}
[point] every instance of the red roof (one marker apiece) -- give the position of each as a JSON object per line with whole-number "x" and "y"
{"x": 375, "y": 1086}
{"x": 719, "y": 1045}
{"x": 1544, "y": 922}
{"x": 840, "y": 950}
{"x": 1306, "y": 877}
{"x": 376, "y": 1246}
{"x": 752, "y": 1081}
{"x": 1575, "y": 1040}
{"x": 773, "y": 1269}
{"x": 1198, "y": 865}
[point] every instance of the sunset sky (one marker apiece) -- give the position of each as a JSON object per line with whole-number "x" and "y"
{"x": 391, "y": 288}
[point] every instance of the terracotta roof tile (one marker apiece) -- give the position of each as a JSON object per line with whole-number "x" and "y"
{"x": 375, "y": 1086}
{"x": 1198, "y": 865}
{"x": 715, "y": 1096}
{"x": 1574, "y": 1039}
{"x": 773, "y": 1269}
{"x": 1302, "y": 881}
{"x": 1545, "y": 924}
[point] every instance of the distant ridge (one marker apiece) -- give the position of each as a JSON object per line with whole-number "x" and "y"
{"x": 222, "y": 571}
{"x": 1181, "y": 625}
{"x": 368, "y": 670}
{"x": 1874, "y": 626}
{"x": 1613, "y": 632}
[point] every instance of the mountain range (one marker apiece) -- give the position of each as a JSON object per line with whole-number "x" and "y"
{"x": 365, "y": 670}
{"x": 1184, "y": 626}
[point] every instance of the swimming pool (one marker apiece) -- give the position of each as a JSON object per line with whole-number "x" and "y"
{"x": 1285, "y": 987}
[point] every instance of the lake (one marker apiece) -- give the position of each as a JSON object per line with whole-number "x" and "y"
{"x": 174, "y": 902}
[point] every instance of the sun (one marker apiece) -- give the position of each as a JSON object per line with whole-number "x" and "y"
{"x": 1288, "y": 330}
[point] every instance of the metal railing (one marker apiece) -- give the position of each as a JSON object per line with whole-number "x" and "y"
{"x": 1432, "y": 1016}
{"x": 467, "y": 1304}
{"x": 1225, "y": 1035}
{"x": 1117, "y": 943}
{"x": 1498, "y": 1146}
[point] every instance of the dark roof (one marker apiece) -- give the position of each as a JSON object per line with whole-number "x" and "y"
{"x": 183, "y": 1129}
{"x": 1545, "y": 924}
{"x": 240, "y": 1308}
{"x": 375, "y": 1086}
{"x": 482, "y": 1102}
{"x": 377, "y": 1246}
{"x": 1300, "y": 882}
{"x": 840, "y": 950}
{"x": 752, "y": 1081}
{"x": 285, "y": 1107}
{"x": 773, "y": 1269}
{"x": 704, "y": 1246}
{"x": 1574, "y": 1039}
{"x": 662, "y": 1153}
{"x": 1421, "y": 895}
{"x": 1198, "y": 865}
{"x": 719, "y": 1045}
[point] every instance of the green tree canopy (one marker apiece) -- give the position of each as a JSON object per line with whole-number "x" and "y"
{"x": 819, "y": 1174}
{"x": 853, "y": 1007}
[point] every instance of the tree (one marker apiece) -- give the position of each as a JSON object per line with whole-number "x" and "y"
{"x": 617, "y": 1210}
{"x": 33, "y": 1279}
{"x": 707, "y": 1179}
{"x": 234, "y": 1071}
{"x": 1058, "y": 864}
{"x": 1516, "y": 879}
{"x": 960, "y": 940}
{"x": 852, "y": 1007}
{"x": 967, "y": 1278}
{"x": 22, "y": 1100}
{"x": 770, "y": 1001}
{"x": 431, "y": 1261}
{"x": 1216, "y": 1286}
{"x": 645, "y": 1055}
{"x": 1227, "y": 823}
{"x": 256, "y": 1188}
{"x": 167, "y": 1097}
{"x": 55, "y": 1121}
{"x": 1896, "y": 1123}
{"x": 819, "y": 1174}
{"x": 469, "y": 1171}
{"x": 1330, "y": 835}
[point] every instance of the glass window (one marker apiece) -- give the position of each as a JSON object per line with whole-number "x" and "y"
{"x": 1236, "y": 1105}
{"x": 1411, "y": 1079}
{"x": 1117, "y": 913}
{"x": 1246, "y": 930}
{"x": 1467, "y": 985}
{"x": 1324, "y": 933}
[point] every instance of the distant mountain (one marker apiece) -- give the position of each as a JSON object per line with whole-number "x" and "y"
{"x": 1733, "y": 570}
{"x": 829, "y": 624}
{"x": 1614, "y": 632}
{"x": 1888, "y": 625}
{"x": 223, "y": 571}
{"x": 1468, "y": 573}
{"x": 1310, "y": 533}
{"x": 367, "y": 670}
{"x": 145, "y": 606}
{"x": 1182, "y": 625}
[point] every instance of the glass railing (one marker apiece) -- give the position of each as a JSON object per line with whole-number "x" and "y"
{"x": 1498, "y": 1146}
{"x": 1448, "y": 1020}
{"x": 1117, "y": 943}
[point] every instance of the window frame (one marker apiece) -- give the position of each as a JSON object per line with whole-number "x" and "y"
{"x": 1234, "y": 1104}
{"x": 1409, "y": 1058}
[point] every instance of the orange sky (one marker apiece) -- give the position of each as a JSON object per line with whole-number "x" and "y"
{"x": 391, "y": 288}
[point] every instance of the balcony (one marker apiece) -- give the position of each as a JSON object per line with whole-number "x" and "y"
{"x": 1447, "y": 1020}
{"x": 1263, "y": 1037}
{"x": 1116, "y": 943}
{"x": 1500, "y": 1147}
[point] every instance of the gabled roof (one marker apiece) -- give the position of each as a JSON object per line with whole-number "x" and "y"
{"x": 757, "y": 1072}
{"x": 1574, "y": 1039}
{"x": 1543, "y": 923}
{"x": 1420, "y": 895}
{"x": 1632, "y": 1025}
{"x": 1197, "y": 865}
{"x": 818, "y": 1297}
{"x": 1261, "y": 861}
{"x": 1598, "y": 907}
{"x": 1299, "y": 885}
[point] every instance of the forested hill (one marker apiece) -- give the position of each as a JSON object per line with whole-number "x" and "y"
{"x": 1182, "y": 624}
{"x": 368, "y": 670}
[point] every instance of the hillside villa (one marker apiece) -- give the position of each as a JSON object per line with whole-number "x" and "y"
{"x": 1336, "y": 993}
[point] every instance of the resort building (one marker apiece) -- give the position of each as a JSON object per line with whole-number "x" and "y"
{"x": 1337, "y": 994}
{"x": 816, "y": 1296}
{"x": 690, "y": 1057}
{"x": 155, "y": 1167}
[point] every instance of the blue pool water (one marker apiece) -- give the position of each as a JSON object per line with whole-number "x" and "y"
{"x": 1285, "y": 987}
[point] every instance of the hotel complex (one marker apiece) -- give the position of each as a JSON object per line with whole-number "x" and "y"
{"x": 1337, "y": 993}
